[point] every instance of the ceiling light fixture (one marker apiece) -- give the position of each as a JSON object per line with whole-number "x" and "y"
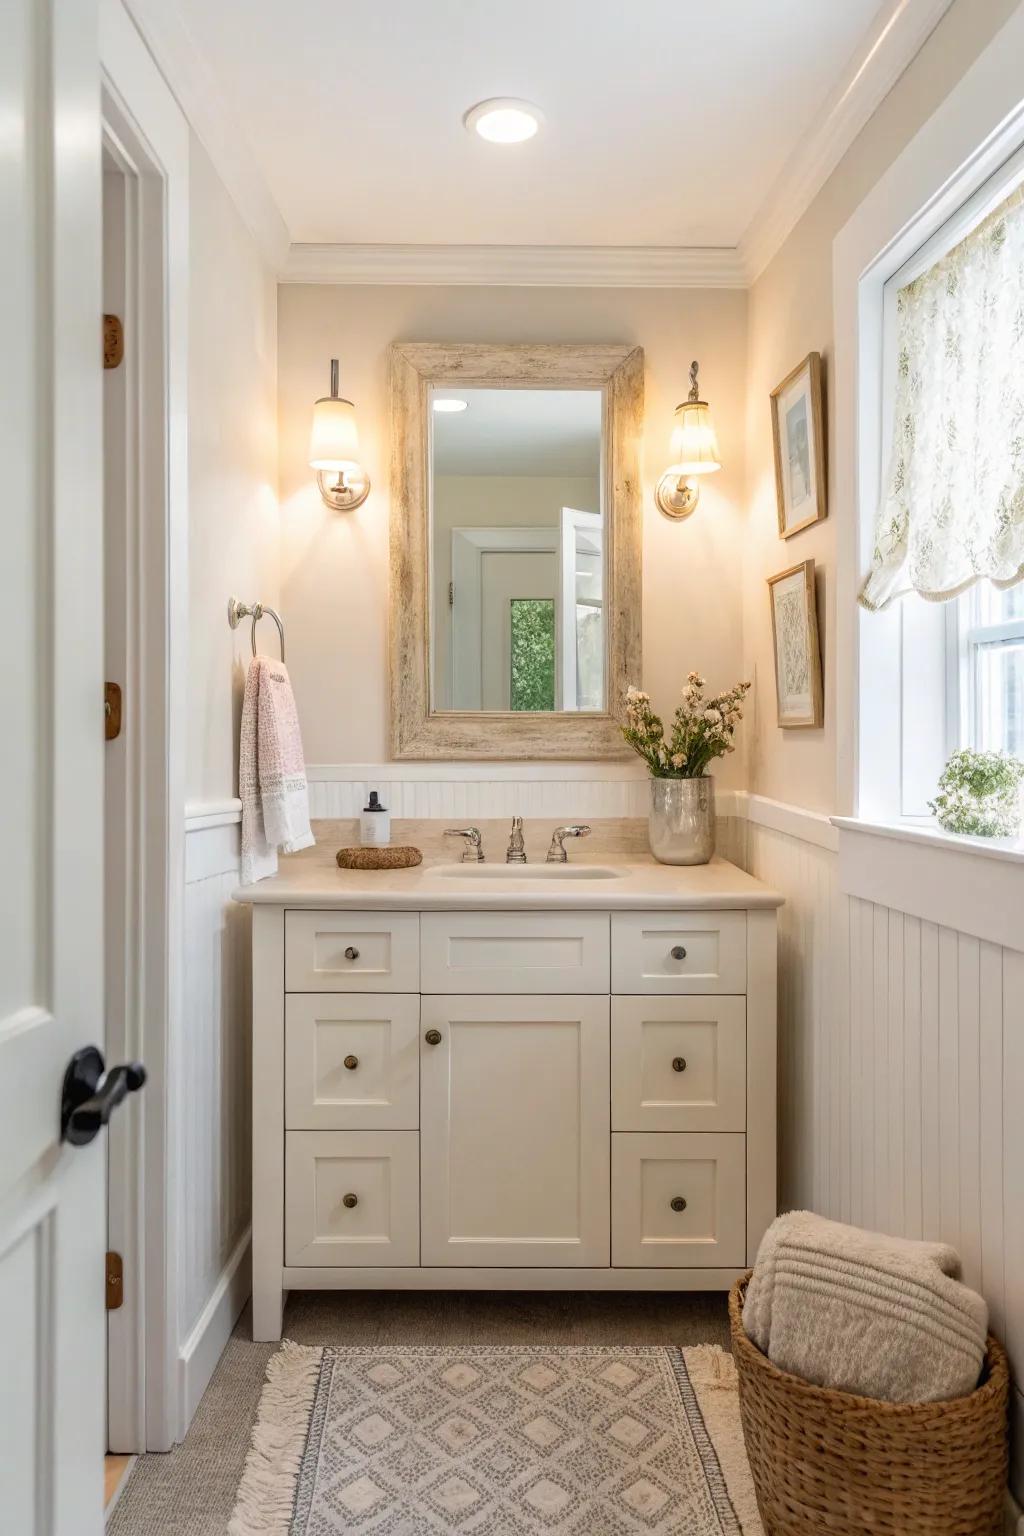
{"x": 504, "y": 120}
{"x": 449, "y": 407}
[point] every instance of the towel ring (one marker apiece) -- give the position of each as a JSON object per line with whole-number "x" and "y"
{"x": 238, "y": 611}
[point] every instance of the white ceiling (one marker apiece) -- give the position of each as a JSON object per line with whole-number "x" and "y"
{"x": 519, "y": 432}
{"x": 666, "y": 120}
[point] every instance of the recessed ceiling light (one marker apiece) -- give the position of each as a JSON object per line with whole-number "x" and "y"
{"x": 504, "y": 120}
{"x": 448, "y": 406}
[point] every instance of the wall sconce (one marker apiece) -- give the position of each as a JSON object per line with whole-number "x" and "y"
{"x": 694, "y": 453}
{"x": 333, "y": 449}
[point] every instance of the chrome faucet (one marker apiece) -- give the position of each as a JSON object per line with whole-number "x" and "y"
{"x": 472, "y": 852}
{"x": 516, "y": 851}
{"x": 557, "y": 853}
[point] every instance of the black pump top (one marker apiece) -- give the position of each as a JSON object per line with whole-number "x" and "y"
{"x": 374, "y": 804}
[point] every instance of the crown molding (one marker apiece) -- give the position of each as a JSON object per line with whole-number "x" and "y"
{"x": 896, "y": 35}
{"x": 201, "y": 99}
{"x": 518, "y": 266}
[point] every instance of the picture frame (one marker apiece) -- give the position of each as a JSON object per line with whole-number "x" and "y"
{"x": 797, "y": 648}
{"x": 798, "y": 433}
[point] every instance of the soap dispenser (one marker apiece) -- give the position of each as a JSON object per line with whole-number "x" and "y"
{"x": 375, "y": 824}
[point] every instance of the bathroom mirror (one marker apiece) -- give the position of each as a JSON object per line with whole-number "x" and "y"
{"x": 515, "y": 594}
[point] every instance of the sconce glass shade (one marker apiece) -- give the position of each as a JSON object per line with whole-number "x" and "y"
{"x": 334, "y": 439}
{"x": 694, "y": 444}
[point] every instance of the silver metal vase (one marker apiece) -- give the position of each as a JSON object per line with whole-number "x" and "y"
{"x": 682, "y": 820}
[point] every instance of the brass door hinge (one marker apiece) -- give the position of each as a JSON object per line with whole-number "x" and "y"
{"x": 113, "y": 341}
{"x": 112, "y": 711}
{"x": 115, "y": 1281}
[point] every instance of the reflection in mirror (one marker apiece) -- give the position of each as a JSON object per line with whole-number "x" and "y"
{"x": 517, "y": 539}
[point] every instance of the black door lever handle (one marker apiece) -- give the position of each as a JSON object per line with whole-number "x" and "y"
{"x": 91, "y": 1094}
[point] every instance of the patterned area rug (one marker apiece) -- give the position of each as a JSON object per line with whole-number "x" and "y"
{"x": 479, "y": 1441}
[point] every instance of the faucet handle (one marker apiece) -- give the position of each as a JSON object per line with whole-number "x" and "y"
{"x": 472, "y": 852}
{"x": 557, "y": 853}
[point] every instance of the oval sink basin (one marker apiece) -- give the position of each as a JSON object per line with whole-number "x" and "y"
{"x": 528, "y": 872}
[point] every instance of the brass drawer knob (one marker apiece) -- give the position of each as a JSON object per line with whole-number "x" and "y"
{"x": 678, "y": 1063}
{"x": 350, "y": 1201}
{"x": 351, "y": 953}
{"x": 678, "y": 952}
{"x": 351, "y": 1062}
{"x": 678, "y": 1203}
{"x": 433, "y": 1037}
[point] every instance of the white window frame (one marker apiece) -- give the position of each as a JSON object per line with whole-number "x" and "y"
{"x": 953, "y": 160}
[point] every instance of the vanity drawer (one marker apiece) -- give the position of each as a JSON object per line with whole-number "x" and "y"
{"x": 650, "y": 1172}
{"x": 352, "y": 952}
{"x": 679, "y": 952}
{"x": 679, "y": 1063}
{"x": 352, "y": 1062}
{"x": 376, "y": 1173}
{"x": 539, "y": 952}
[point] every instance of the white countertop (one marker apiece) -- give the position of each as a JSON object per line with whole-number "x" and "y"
{"x": 313, "y": 879}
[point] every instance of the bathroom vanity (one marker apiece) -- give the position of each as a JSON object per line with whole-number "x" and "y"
{"x": 507, "y": 1076}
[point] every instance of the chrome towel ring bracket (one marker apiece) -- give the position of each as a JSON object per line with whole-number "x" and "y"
{"x": 237, "y": 611}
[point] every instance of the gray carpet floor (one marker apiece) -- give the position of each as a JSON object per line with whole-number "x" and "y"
{"x": 190, "y": 1491}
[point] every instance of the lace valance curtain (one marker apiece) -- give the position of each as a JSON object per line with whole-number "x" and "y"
{"x": 952, "y": 511}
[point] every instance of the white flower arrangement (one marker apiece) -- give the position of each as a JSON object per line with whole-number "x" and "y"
{"x": 979, "y": 794}
{"x": 702, "y": 729}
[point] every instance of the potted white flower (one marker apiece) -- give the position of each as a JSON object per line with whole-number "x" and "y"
{"x": 682, "y": 816}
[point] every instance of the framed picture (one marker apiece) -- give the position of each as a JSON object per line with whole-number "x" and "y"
{"x": 798, "y": 428}
{"x": 797, "y": 651}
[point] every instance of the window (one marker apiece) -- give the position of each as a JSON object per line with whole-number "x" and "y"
{"x": 951, "y": 507}
{"x": 990, "y": 640}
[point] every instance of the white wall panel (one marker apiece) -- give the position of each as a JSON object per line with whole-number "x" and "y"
{"x": 901, "y": 1074}
{"x": 212, "y": 1078}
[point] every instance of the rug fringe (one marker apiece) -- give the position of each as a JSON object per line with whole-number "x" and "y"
{"x": 712, "y": 1373}
{"x": 266, "y": 1495}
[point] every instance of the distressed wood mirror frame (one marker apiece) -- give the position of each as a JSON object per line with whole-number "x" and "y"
{"x": 418, "y": 730}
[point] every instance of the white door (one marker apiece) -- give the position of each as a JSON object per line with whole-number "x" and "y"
{"x": 581, "y": 610}
{"x": 514, "y": 1140}
{"x": 52, "y": 1217}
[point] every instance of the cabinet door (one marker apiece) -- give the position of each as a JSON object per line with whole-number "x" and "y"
{"x": 351, "y": 1198}
{"x": 351, "y": 1062}
{"x": 679, "y": 1063}
{"x": 679, "y": 952}
{"x": 531, "y": 952}
{"x": 678, "y": 1201}
{"x": 514, "y": 1131}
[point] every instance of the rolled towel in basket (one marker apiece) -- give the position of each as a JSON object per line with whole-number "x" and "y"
{"x": 882, "y": 1317}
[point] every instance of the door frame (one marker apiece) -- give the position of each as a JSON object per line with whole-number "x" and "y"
{"x": 149, "y": 136}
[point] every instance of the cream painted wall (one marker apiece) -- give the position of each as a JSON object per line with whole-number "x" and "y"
{"x": 234, "y": 531}
{"x": 334, "y": 581}
{"x": 790, "y": 315}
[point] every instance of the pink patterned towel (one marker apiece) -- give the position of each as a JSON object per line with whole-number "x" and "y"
{"x": 271, "y": 771}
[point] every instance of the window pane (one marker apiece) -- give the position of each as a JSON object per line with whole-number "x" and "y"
{"x": 992, "y": 606}
{"x": 532, "y": 653}
{"x": 1000, "y": 697}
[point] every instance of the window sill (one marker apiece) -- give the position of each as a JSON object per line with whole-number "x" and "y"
{"x": 930, "y": 834}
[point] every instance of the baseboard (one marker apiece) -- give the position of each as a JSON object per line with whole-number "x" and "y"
{"x": 198, "y": 1356}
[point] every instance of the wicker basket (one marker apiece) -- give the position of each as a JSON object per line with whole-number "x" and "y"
{"x": 827, "y": 1463}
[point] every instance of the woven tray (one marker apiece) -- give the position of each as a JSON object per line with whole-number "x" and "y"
{"x": 378, "y": 858}
{"x": 827, "y": 1463}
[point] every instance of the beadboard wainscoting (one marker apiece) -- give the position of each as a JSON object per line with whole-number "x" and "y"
{"x": 901, "y": 1063}
{"x": 212, "y": 1092}
{"x": 458, "y": 791}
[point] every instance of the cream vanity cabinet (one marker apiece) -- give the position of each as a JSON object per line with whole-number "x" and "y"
{"x": 510, "y": 1099}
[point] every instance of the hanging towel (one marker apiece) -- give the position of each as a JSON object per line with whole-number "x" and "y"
{"x": 883, "y": 1317}
{"x": 271, "y": 771}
